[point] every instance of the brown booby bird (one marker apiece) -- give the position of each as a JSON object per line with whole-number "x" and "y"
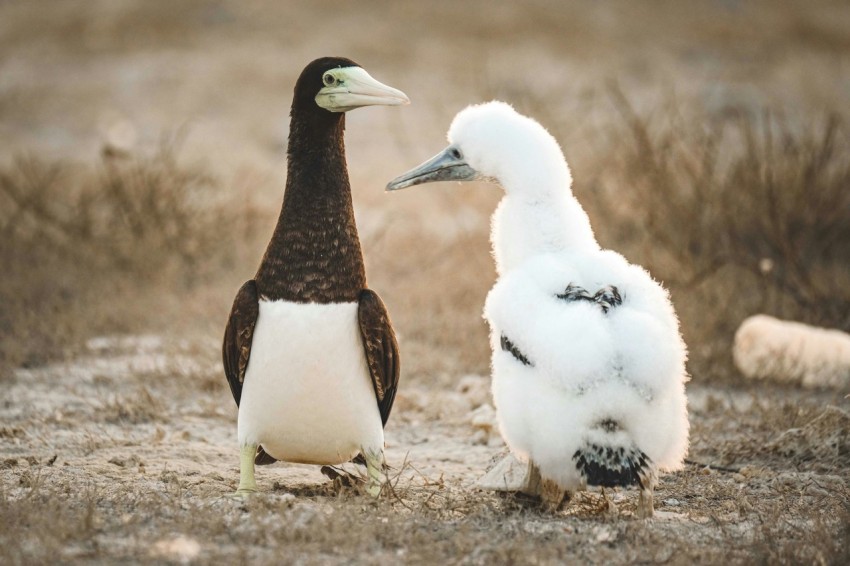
{"x": 309, "y": 350}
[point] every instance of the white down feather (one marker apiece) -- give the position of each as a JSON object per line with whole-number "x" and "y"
{"x": 627, "y": 365}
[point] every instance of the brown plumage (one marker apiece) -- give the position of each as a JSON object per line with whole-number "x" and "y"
{"x": 314, "y": 254}
{"x": 381, "y": 347}
{"x": 238, "y": 335}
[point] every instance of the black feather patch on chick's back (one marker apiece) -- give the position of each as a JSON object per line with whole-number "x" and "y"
{"x": 575, "y": 293}
{"x": 607, "y": 298}
{"x": 509, "y": 347}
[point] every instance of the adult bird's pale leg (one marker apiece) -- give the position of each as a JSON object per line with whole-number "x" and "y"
{"x": 247, "y": 484}
{"x": 375, "y": 471}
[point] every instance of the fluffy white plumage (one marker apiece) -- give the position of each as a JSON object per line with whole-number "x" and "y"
{"x": 587, "y": 366}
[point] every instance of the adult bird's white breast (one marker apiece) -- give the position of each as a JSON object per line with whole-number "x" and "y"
{"x": 308, "y": 396}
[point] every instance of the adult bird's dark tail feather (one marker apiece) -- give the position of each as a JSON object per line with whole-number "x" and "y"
{"x": 262, "y": 458}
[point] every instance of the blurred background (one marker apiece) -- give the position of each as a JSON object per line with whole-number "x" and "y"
{"x": 142, "y": 168}
{"x": 142, "y": 161}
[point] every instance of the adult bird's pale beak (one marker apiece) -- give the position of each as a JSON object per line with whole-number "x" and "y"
{"x": 448, "y": 165}
{"x": 347, "y": 88}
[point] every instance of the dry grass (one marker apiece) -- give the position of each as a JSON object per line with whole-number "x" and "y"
{"x": 748, "y": 212}
{"x": 734, "y": 194}
{"x": 138, "y": 216}
{"x": 149, "y": 225}
{"x": 91, "y": 247}
{"x": 146, "y": 225}
{"x": 46, "y": 525}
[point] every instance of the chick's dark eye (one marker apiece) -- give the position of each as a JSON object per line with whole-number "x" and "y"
{"x": 329, "y": 80}
{"x": 456, "y": 153}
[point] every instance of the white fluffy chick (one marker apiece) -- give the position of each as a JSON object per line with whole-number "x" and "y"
{"x": 588, "y": 361}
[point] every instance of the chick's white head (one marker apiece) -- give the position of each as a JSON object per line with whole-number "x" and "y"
{"x": 492, "y": 141}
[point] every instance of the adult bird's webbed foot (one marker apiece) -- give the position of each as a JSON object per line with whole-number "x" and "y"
{"x": 608, "y": 297}
{"x": 340, "y": 478}
{"x": 575, "y": 293}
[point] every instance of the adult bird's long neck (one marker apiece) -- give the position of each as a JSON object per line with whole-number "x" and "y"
{"x": 314, "y": 254}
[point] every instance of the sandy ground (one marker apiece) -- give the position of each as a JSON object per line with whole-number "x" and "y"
{"x": 128, "y": 452}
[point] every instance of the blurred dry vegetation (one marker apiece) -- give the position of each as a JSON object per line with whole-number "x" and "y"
{"x": 141, "y": 173}
{"x": 748, "y": 213}
{"x": 84, "y": 245}
{"x": 740, "y": 215}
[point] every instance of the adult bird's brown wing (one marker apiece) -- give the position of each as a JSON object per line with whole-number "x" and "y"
{"x": 381, "y": 349}
{"x": 236, "y": 349}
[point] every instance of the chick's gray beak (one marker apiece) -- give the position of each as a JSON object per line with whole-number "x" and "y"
{"x": 448, "y": 165}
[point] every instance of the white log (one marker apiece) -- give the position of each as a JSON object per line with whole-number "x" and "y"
{"x": 792, "y": 352}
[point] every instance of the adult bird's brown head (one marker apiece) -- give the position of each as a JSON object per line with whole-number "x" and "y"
{"x": 337, "y": 84}
{"x": 326, "y": 89}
